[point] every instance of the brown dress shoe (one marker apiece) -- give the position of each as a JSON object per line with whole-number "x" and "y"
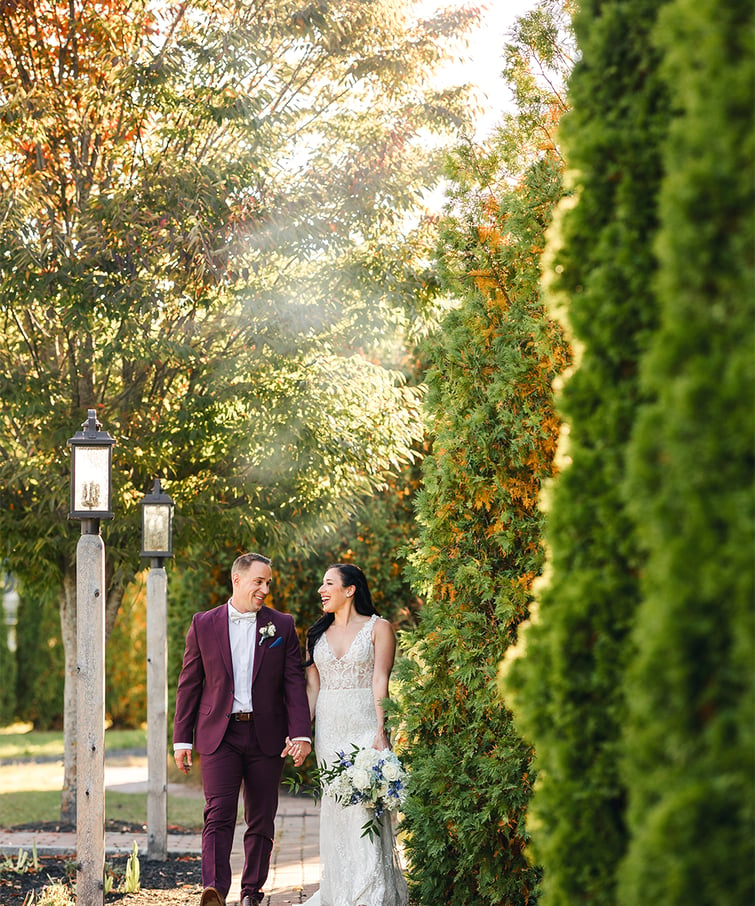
{"x": 211, "y": 897}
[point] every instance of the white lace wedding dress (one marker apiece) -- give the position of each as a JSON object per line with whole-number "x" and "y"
{"x": 356, "y": 871}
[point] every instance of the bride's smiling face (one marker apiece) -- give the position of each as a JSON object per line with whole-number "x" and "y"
{"x": 333, "y": 593}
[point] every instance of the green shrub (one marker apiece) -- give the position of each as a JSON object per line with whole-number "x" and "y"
{"x": 571, "y": 682}
{"x": 40, "y": 659}
{"x": 126, "y": 660}
{"x": 495, "y": 432}
{"x": 689, "y": 741}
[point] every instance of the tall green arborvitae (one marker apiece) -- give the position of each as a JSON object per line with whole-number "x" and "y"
{"x": 494, "y": 433}
{"x": 689, "y": 748}
{"x": 571, "y": 679}
{"x": 494, "y": 438}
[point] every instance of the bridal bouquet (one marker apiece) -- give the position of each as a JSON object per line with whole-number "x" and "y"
{"x": 366, "y": 777}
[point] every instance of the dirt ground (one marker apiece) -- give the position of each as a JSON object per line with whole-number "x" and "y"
{"x": 174, "y": 882}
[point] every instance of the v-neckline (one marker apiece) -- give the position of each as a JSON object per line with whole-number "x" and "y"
{"x": 351, "y": 643}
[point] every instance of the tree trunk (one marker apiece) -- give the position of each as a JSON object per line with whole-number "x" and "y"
{"x": 113, "y": 605}
{"x": 68, "y": 630}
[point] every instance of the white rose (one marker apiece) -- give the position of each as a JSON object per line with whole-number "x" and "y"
{"x": 360, "y": 778}
{"x": 366, "y": 759}
{"x": 391, "y": 771}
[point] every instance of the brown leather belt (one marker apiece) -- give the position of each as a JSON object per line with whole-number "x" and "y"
{"x": 242, "y": 715}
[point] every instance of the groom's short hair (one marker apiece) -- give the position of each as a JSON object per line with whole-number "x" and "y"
{"x": 241, "y": 564}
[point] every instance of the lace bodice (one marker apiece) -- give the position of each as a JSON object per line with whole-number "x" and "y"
{"x": 354, "y": 669}
{"x": 356, "y": 869}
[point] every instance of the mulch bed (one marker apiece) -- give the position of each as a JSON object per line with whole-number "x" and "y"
{"x": 174, "y": 882}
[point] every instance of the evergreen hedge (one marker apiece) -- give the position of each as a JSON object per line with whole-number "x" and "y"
{"x": 571, "y": 697}
{"x": 494, "y": 435}
{"x": 690, "y": 738}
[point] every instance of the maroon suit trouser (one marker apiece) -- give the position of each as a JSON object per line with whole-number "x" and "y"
{"x": 239, "y": 759}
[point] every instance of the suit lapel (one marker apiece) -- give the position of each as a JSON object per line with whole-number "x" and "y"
{"x": 263, "y": 618}
{"x": 223, "y": 637}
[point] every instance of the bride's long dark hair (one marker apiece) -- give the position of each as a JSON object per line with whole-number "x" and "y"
{"x": 350, "y": 575}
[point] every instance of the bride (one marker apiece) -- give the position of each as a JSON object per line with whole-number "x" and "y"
{"x": 350, "y": 656}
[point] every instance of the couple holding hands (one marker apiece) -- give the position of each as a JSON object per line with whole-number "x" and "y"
{"x": 245, "y": 701}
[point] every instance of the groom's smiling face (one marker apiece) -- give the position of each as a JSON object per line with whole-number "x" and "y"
{"x": 251, "y": 587}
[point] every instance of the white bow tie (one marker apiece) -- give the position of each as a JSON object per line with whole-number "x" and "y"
{"x": 238, "y": 617}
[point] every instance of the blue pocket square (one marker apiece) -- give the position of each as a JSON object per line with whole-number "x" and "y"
{"x": 278, "y": 641}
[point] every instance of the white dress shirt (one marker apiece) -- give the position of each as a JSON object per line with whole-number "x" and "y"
{"x": 242, "y": 634}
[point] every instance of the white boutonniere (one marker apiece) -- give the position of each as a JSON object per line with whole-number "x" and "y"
{"x": 267, "y": 632}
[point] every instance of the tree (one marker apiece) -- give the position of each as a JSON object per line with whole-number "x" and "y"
{"x": 494, "y": 433}
{"x": 205, "y": 223}
{"x": 40, "y": 658}
{"x": 376, "y": 538}
{"x": 377, "y": 535}
{"x": 571, "y": 681}
{"x": 688, "y": 748}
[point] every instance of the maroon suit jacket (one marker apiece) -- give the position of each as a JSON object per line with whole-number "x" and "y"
{"x": 205, "y": 685}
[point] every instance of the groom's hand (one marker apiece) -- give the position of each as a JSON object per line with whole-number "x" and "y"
{"x": 298, "y": 749}
{"x": 183, "y": 760}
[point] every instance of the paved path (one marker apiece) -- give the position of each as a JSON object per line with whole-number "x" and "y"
{"x": 294, "y": 867}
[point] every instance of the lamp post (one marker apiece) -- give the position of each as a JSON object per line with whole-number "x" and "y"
{"x": 10, "y": 608}
{"x": 157, "y": 544}
{"x": 91, "y": 494}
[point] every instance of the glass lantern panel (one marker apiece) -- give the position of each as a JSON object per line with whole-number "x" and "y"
{"x": 156, "y": 527}
{"x": 92, "y": 479}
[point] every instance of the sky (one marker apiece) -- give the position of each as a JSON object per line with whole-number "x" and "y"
{"x": 483, "y": 56}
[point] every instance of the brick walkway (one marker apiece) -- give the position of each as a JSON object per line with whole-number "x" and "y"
{"x": 295, "y": 862}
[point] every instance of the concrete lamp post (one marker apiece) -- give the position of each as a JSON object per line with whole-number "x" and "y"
{"x": 91, "y": 496}
{"x": 157, "y": 544}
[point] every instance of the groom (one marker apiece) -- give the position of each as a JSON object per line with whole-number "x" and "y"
{"x": 242, "y": 700}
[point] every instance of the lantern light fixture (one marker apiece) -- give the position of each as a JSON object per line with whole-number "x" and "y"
{"x": 157, "y": 524}
{"x": 91, "y": 466}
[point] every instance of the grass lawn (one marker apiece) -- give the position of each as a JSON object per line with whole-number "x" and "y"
{"x": 30, "y": 790}
{"x": 32, "y": 806}
{"x": 19, "y": 741}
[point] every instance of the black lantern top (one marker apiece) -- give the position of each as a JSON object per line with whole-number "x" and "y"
{"x": 157, "y": 524}
{"x": 91, "y": 461}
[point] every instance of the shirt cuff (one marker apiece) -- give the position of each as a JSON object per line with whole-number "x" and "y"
{"x": 302, "y": 739}
{"x": 182, "y": 746}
